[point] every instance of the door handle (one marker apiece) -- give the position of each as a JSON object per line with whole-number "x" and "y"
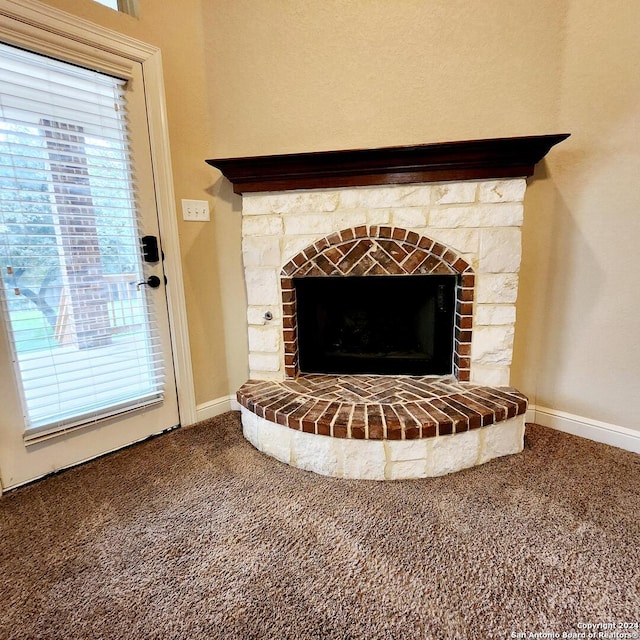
{"x": 151, "y": 281}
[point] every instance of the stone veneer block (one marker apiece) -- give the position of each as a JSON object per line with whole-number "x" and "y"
{"x": 314, "y": 453}
{"x": 491, "y": 375}
{"x": 454, "y": 452}
{"x": 497, "y": 442}
{"x": 502, "y": 190}
{"x": 361, "y": 459}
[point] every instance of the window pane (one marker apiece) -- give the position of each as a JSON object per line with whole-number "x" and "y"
{"x": 112, "y": 4}
{"x": 126, "y": 6}
{"x": 83, "y": 334}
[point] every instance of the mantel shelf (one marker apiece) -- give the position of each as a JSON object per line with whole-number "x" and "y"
{"x": 465, "y": 160}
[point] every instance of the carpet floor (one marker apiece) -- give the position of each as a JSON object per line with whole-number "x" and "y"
{"x": 195, "y": 534}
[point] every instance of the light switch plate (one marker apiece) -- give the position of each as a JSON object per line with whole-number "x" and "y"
{"x": 195, "y": 210}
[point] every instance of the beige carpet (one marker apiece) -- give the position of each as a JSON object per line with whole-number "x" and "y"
{"x": 195, "y": 534}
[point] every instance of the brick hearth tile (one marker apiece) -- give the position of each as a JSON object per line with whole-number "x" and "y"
{"x": 445, "y": 422}
{"x": 499, "y": 412}
{"x": 510, "y": 407}
{"x": 309, "y": 420}
{"x": 272, "y": 406}
{"x": 378, "y": 407}
{"x": 456, "y": 420}
{"x": 422, "y": 389}
{"x": 393, "y": 422}
{"x": 375, "y": 422}
{"x": 399, "y": 234}
{"x": 385, "y": 232}
{"x": 358, "y": 417}
{"x": 340, "y": 427}
{"x": 360, "y": 232}
{"x": 284, "y": 412}
{"x": 487, "y": 415}
{"x": 474, "y": 418}
{"x": 358, "y": 431}
{"x": 324, "y": 421}
{"x": 430, "y": 420}
{"x": 410, "y": 424}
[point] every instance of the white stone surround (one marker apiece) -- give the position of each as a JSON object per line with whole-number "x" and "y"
{"x": 479, "y": 220}
{"x": 383, "y": 459}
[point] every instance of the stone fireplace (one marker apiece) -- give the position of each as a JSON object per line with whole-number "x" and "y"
{"x": 446, "y": 218}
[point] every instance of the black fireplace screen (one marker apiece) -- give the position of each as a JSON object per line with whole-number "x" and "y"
{"x": 376, "y": 324}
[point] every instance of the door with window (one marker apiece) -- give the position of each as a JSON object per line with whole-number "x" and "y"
{"x": 85, "y": 345}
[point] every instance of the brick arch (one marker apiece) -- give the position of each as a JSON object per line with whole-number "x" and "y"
{"x": 372, "y": 251}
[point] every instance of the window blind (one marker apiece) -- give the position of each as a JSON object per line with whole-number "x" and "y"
{"x": 84, "y": 333}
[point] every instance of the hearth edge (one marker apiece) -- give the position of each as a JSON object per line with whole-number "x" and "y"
{"x": 383, "y": 459}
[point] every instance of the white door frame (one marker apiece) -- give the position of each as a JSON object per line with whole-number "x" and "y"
{"x": 30, "y": 22}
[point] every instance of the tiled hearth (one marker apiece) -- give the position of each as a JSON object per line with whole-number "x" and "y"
{"x": 381, "y": 427}
{"x": 461, "y": 215}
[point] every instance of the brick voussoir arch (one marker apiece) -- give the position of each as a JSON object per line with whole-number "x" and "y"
{"x": 379, "y": 250}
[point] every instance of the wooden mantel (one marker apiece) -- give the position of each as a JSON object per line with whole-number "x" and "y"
{"x": 465, "y": 160}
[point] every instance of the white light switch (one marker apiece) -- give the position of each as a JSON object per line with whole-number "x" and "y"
{"x": 195, "y": 210}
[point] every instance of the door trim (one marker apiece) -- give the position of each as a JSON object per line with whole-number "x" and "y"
{"x": 31, "y": 23}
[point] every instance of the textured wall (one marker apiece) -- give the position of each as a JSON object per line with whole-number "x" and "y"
{"x": 311, "y": 75}
{"x": 580, "y": 262}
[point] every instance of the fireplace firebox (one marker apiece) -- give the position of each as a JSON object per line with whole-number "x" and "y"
{"x": 385, "y": 325}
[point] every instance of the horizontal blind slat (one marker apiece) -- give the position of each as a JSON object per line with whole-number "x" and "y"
{"x": 84, "y": 343}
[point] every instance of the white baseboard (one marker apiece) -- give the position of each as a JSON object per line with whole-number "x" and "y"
{"x": 215, "y": 407}
{"x": 605, "y": 432}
